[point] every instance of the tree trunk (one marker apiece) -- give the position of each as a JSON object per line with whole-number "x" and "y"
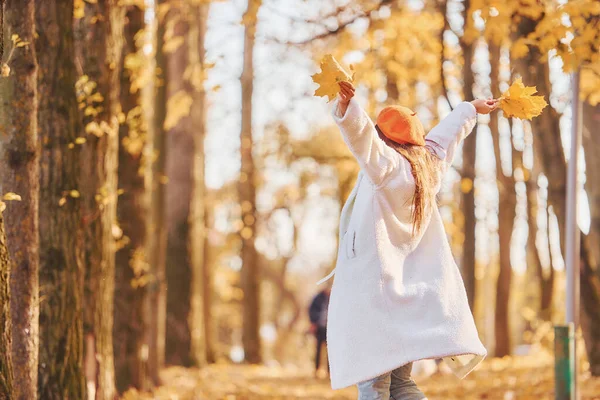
{"x": 6, "y": 370}
{"x": 201, "y": 288}
{"x": 545, "y": 278}
{"x": 247, "y": 196}
{"x": 156, "y": 243}
{"x": 101, "y": 46}
{"x": 468, "y": 174}
{"x": 547, "y": 144}
{"x": 19, "y": 163}
{"x": 61, "y": 237}
{"x": 180, "y": 147}
{"x": 590, "y": 278}
{"x": 131, "y": 327}
{"x": 507, "y": 202}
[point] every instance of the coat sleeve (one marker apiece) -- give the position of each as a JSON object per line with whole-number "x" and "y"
{"x": 444, "y": 138}
{"x": 373, "y": 155}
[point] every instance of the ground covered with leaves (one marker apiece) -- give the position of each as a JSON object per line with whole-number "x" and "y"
{"x": 506, "y": 379}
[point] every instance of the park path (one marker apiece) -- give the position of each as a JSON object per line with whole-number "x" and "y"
{"x": 517, "y": 378}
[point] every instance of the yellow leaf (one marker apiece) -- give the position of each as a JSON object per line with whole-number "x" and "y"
{"x": 80, "y": 140}
{"x": 328, "y": 79}
{"x": 22, "y": 44}
{"x": 10, "y": 196}
{"x": 96, "y": 98}
{"x": 246, "y": 232}
{"x": 15, "y": 38}
{"x": 74, "y": 194}
{"x": 71, "y": 145}
{"x": 2, "y": 206}
{"x": 519, "y": 102}
{"x": 466, "y": 185}
{"x": 173, "y": 44}
{"x": 62, "y": 201}
{"x": 178, "y": 106}
{"x": 94, "y": 128}
{"x": 5, "y": 70}
{"x": 519, "y": 49}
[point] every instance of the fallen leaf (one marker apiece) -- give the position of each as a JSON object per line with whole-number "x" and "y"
{"x": 519, "y": 101}
{"x": 329, "y": 78}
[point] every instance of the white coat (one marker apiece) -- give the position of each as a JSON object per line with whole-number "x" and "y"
{"x": 396, "y": 298}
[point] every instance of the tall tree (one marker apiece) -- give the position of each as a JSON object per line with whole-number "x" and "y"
{"x": 201, "y": 290}
{"x": 61, "y": 247}
{"x": 590, "y": 274}
{"x": 187, "y": 333}
{"x": 19, "y": 163}
{"x": 6, "y": 371}
{"x": 100, "y": 45}
{"x": 247, "y": 196}
{"x": 156, "y": 242}
{"x": 547, "y": 144}
{"x": 468, "y": 167}
{"x": 507, "y": 202}
{"x": 180, "y": 158}
{"x": 130, "y": 328}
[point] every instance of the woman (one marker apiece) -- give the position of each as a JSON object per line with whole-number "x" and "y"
{"x": 398, "y": 296}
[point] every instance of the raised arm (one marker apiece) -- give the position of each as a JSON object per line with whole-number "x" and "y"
{"x": 375, "y": 158}
{"x": 445, "y": 137}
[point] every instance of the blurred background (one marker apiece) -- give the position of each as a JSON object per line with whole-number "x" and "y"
{"x": 190, "y": 185}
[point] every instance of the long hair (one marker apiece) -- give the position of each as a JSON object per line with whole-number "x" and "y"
{"x": 425, "y": 167}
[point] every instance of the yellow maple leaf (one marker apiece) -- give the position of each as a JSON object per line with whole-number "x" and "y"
{"x": 10, "y": 196}
{"x": 519, "y": 101}
{"x": 328, "y": 79}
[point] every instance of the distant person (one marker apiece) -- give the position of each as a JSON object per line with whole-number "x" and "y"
{"x": 398, "y": 296}
{"x": 317, "y": 314}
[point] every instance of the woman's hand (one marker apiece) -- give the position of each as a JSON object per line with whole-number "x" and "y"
{"x": 485, "y": 106}
{"x": 346, "y": 94}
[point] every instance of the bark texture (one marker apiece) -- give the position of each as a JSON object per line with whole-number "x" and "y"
{"x": 247, "y": 197}
{"x": 60, "y": 366}
{"x": 101, "y": 44}
{"x": 6, "y": 371}
{"x": 19, "y": 163}
{"x": 130, "y": 327}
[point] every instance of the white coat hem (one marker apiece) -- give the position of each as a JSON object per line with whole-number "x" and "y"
{"x": 459, "y": 371}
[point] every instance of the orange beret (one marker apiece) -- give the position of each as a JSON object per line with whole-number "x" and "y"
{"x": 401, "y": 125}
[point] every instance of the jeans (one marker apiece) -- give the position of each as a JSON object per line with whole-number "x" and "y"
{"x": 394, "y": 385}
{"x": 321, "y": 336}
